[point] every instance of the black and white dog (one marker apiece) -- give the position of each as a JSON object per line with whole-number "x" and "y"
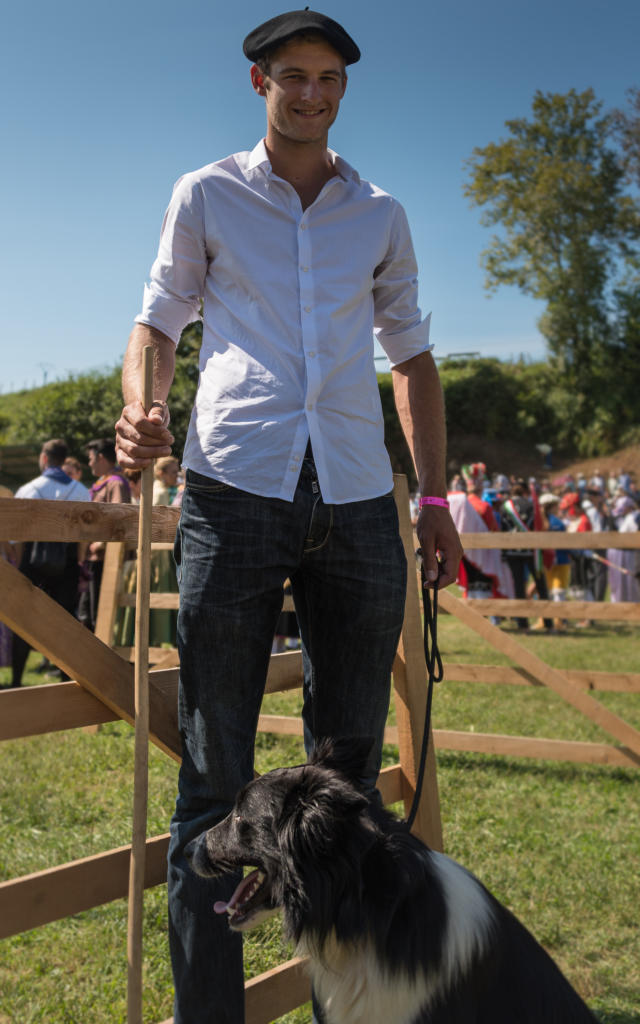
{"x": 396, "y": 933}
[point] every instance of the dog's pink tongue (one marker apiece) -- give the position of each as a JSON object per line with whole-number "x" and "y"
{"x": 220, "y": 907}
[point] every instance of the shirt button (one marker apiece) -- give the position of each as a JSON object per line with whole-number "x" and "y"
{"x": 311, "y": 355}
{"x": 303, "y": 227}
{"x": 307, "y": 309}
{"x": 310, "y": 406}
{"x": 305, "y": 270}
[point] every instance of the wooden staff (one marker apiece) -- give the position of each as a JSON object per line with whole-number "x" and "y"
{"x": 141, "y": 749}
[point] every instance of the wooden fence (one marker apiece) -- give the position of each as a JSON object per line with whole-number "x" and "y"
{"x": 102, "y": 691}
{"x": 574, "y": 686}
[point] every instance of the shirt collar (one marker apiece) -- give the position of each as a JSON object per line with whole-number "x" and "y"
{"x": 259, "y": 158}
{"x": 57, "y": 474}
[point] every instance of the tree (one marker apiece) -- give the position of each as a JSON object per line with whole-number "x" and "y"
{"x": 626, "y": 125}
{"x": 556, "y": 189}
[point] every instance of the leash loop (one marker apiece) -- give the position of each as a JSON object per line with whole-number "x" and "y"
{"x": 435, "y": 674}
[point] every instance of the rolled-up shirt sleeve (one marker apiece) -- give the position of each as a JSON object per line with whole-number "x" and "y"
{"x": 398, "y": 322}
{"x": 173, "y": 295}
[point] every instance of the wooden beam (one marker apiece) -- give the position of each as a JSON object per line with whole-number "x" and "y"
{"x": 554, "y": 541}
{"x": 288, "y": 725}
{"x": 35, "y": 710}
{"x": 410, "y": 682}
{"x": 550, "y": 677}
{"x": 535, "y": 747}
{"x": 61, "y": 638}
{"x": 164, "y": 600}
{"x": 25, "y": 519}
{"x": 45, "y": 896}
{"x": 613, "y": 682}
{"x": 276, "y": 992}
{"x": 110, "y": 585}
{"x": 610, "y": 611}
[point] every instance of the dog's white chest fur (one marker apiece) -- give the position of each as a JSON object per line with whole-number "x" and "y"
{"x": 355, "y": 987}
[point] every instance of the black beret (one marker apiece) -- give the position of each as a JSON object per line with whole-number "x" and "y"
{"x": 277, "y": 30}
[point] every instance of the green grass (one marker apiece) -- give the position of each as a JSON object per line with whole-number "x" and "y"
{"x": 558, "y": 843}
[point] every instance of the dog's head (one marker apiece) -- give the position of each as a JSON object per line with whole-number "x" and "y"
{"x": 304, "y": 830}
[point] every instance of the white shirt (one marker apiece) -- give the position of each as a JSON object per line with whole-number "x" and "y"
{"x": 51, "y": 489}
{"x": 291, "y": 301}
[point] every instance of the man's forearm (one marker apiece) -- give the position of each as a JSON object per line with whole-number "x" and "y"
{"x": 164, "y": 361}
{"x": 420, "y": 404}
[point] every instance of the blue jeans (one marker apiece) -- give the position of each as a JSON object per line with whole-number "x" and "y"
{"x": 234, "y": 550}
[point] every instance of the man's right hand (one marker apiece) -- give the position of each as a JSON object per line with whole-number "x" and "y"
{"x": 140, "y": 438}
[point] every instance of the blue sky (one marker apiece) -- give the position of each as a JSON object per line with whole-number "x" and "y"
{"x": 106, "y": 105}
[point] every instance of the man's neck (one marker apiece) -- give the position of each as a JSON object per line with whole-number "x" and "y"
{"x": 306, "y": 166}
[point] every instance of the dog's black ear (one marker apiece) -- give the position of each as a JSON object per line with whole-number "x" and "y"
{"x": 348, "y": 756}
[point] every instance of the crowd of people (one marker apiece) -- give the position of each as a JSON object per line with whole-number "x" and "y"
{"x": 482, "y": 502}
{"x": 71, "y": 573}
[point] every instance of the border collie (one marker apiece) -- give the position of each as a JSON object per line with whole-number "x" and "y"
{"x": 395, "y": 932}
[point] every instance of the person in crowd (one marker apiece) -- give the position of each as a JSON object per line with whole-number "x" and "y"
{"x": 110, "y": 486}
{"x": 10, "y": 553}
{"x": 612, "y": 482}
{"x": 134, "y": 479}
{"x": 558, "y": 572}
{"x": 165, "y": 484}
{"x": 597, "y": 511}
{"x": 624, "y": 567}
{"x": 294, "y": 260}
{"x": 482, "y": 572}
{"x": 577, "y": 521}
{"x": 73, "y": 468}
{"x": 518, "y": 516}
{"x": 51, "y": 566}
{"x": 475, "y": 476}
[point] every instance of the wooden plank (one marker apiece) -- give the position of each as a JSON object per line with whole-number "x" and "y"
{"x": 25, "y": 519}
{"x": 155, "y": 653}
{"x": 410, "y": 682}
{"x": 35, "y": 710}
{"x": 110, "y": 585}
{"x": 552, "y": 678}
{"x": 528, "y": 746}
{"x": 555, "y": 541}
{"x": 49, "y": 895}
{"x": 164, "y": 600}
{"x": 285, "y": 672}
{"x": 288, "y": 725}
{"x": 70, "y": 645}
{"x": 613, "y": 682}
{"x": 610, "y": 611}
{"x": 276, "y": 992}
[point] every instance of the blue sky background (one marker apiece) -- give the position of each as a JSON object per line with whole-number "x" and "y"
{"x": 106, "y": 105}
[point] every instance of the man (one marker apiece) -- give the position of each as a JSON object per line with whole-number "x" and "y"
{"x": 110, "y": 485}
{"x": 295, "y": 260}
{"x": 53, "y": 566}
{"x": 599, "y": 516}
{"x": 475, "y": 477}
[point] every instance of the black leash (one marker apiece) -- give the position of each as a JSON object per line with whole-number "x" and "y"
{"x": 434, "y": 665}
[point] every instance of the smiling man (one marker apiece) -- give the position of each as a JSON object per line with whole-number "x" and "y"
{"x": 295, "y": 261}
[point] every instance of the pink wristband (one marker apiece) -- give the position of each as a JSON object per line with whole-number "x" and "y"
{"x": 442, "y": 502}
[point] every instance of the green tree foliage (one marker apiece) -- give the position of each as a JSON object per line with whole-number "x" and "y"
{"x": 77, "y": 409}
{"x": 627, "y": 129}
{"x": 568, "y": 233}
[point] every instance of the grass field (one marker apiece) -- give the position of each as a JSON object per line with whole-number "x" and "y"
{"x": 558, "y": 843}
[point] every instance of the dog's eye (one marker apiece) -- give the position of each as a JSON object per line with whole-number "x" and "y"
{"x": 243, "y": 827}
